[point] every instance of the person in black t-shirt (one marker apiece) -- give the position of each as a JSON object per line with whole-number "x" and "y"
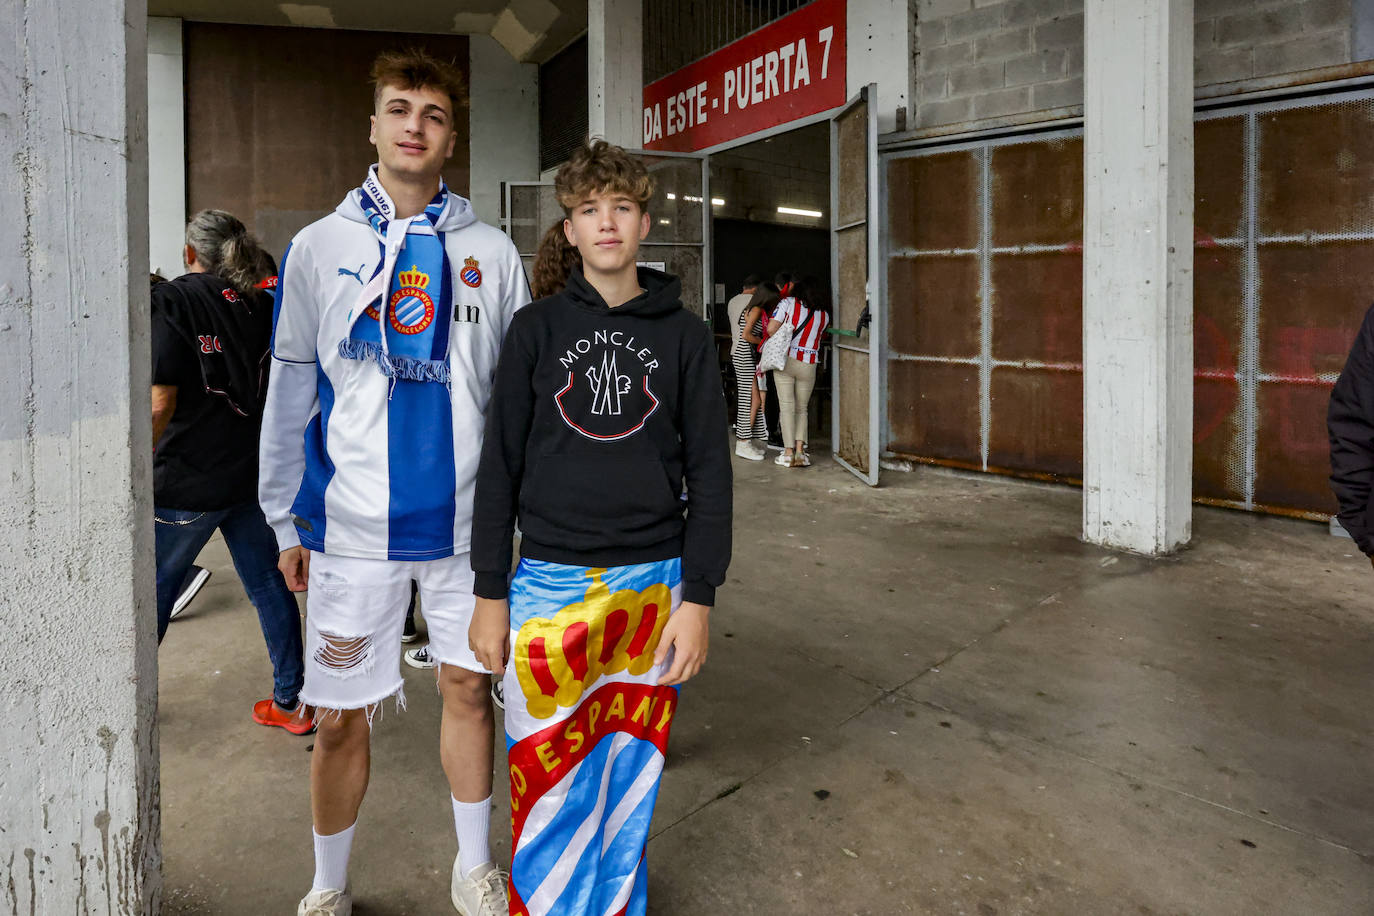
{"x": 196, "y": 576}
{"x": 211, "y": 329}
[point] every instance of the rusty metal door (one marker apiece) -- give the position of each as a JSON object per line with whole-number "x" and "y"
{"x": 856, "y": 364}
{"x": 984, "y": 259}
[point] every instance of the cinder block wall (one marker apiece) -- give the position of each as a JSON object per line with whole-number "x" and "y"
{"x": 978, "y": 60}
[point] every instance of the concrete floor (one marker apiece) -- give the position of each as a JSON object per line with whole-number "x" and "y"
{"x": 925, "y": 698}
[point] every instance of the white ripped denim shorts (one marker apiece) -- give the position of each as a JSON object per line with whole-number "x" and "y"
{"x": 355, "y": 612}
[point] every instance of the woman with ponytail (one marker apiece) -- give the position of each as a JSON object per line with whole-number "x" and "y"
{"x": 211, "y": 329}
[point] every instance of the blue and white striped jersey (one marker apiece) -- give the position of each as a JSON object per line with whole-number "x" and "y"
{"x": 355, "y": 462}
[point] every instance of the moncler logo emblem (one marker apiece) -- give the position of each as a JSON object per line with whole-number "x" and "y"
{"x": 608, "y": 385}
{"x": 608, "y": 395}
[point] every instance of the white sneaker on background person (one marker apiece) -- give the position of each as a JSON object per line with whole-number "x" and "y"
{"x": 195, "y": 580}
{"x": 745, "y": 449}
{"x": 420, "y": 658}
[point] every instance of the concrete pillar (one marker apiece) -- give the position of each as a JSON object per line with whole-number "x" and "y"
{"x": 503, "y": 122}
{"x": 78, "y": 677}
{"x": 166, "y": 147}
{"x": 879, "y": 51}
{"x": 615, "y": 71}
{"x": 1138, "y": 274}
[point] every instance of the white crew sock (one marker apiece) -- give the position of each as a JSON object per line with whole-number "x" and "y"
{"x": 472, "y": 823}
{"x": 331, "y": 859}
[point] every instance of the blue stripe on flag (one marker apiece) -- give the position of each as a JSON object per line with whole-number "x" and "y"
{"x": 537, "y": 859}
{"x": 422, "y": 477}
{"x": 625, "y": 850}
{"x": 581, "y": 888}
{"x": 639, "y": 897}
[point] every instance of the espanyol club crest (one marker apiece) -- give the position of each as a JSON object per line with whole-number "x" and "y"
{"x": 411, "y": 309}
{"x": 608, "y": 395}
{"x": 470, "y": 275}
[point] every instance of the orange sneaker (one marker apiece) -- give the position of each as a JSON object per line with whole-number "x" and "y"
{"x": 267, "y": 712}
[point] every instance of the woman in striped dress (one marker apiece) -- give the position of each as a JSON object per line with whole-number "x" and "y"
{"x": 750, "y": 429}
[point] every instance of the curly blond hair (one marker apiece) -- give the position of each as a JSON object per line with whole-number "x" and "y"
{"x": 598, "y": 167}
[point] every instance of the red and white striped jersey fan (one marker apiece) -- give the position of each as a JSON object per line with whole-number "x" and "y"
{"x": 809, "y": 324}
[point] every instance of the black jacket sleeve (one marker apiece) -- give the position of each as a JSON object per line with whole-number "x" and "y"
{"x": 1350, "y": 424}
{"x": 706, "y": 466}
{"x": 497, "y": 498}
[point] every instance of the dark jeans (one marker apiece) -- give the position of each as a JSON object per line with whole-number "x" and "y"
{"x": 179, "y": 537}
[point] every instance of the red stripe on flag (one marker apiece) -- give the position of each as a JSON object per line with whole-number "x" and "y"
{"x": 541, "y": 760}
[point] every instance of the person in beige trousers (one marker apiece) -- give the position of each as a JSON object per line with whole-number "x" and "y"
{"x": 801, "y": 309}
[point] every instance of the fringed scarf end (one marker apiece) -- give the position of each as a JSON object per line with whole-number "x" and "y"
{"x": 395, "y": 367}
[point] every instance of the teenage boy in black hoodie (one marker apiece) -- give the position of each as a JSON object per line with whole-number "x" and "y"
{"x": 607, "y": 400}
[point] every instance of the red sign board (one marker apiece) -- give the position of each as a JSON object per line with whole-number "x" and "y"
{"x": 786, "y": 70}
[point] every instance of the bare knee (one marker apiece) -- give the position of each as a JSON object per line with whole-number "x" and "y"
{"x": 464, "y": 689}
{"x": 341, "y": 729}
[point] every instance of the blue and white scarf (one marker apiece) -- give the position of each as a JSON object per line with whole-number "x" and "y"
{"x": 404, "y": 311}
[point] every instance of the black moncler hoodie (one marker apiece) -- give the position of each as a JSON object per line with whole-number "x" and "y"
{"x": 598, "y": 417}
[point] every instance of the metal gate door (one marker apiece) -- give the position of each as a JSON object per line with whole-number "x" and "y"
{"x": 855, "y": 277}
{"x": 680, "y": 223}
{"x": 528, "y": 209}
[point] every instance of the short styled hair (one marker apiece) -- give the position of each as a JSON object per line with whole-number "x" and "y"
{"x": 416, "y": 68}
{"x": 598, "y": 167}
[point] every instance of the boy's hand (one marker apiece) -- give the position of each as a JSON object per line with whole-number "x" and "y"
{"x": 489, "y": 633}
{"x": 294, "y": 563}
{"x": 689, "y": 632}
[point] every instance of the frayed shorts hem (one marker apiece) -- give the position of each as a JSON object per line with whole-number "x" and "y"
{"x": 351, "y": 704}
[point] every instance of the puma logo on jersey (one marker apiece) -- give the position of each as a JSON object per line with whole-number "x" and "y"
{"x": 355, "y": 274}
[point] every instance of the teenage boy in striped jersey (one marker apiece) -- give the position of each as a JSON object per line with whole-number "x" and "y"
{"x": 390, "y": 316}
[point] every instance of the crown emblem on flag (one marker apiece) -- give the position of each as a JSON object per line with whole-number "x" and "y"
{"x": 604, "y": 633}
{"x": 414, "y": 277}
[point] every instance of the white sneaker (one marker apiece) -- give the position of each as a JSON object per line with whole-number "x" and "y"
{"x": 326, "y": 903}
{"x": 745, "y": 449}
{"x": 482, "y": 893}
{"x": 420, "y": 658}
{"x": 200, "y": 575}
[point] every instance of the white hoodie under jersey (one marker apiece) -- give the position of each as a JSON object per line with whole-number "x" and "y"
{"x": 355, "y": 463}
